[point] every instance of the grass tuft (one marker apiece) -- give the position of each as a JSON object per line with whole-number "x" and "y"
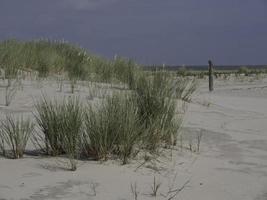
{"x": 15, "y": 133}
{"x": 157, "y": 107}
{"x": 112, "y": 129}
{"x": 60, "y": 124}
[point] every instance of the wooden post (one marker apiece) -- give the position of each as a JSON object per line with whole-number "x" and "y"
{"x": 210, "y": 76}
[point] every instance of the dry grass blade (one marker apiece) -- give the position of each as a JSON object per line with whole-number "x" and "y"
{"x": 174, "y": 193}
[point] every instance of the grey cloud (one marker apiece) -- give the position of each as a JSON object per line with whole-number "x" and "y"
{"x": 89, "y": 4}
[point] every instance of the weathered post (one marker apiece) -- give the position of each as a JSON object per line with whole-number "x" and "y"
{"x": 210, "y": 76}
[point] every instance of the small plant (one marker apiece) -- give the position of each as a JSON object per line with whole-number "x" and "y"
{"x": 155, "y": 187}
{"x": 15, "y": 133}
{"x": 190, "y": 144}
{"x": 10, "y": 91}
{"x": 173, "y": 192}
{"x": 135, "y": 191}
{"x": 244, "y": 70}
{"x": 182, "y": 71}
{"x": 93, "y": 187}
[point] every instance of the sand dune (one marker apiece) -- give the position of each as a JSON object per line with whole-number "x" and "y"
{"x": 231, "y": 164}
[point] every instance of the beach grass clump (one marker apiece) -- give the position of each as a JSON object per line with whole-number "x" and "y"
{"x": 49, "y": 118}
{"x": 244, "y": 70}
{"x": 158, "y": 95}
{"x": 15, "y": 134}
{"x": 119, "y": 70}
{"x": 60, "y": 123}
{"x": 129, "y": 130}
{"x": 102, "y": 70}
{"x": 113, "y": 128}
{"x": 182, "y": 71}
{"x": 125, "y": 71}
{"x": 156, "y": 107}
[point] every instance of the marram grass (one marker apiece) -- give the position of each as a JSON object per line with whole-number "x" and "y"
{"x": 60, "y": 123}
{"x": 113, "y": 128}
{"x": 15, "y": 133}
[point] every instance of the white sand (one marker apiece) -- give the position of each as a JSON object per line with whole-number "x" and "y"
{"x": 231, "y": 164}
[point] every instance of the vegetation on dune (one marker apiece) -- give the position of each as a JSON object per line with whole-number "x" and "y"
{"x": 121, "y": 125}
{"x": 143, "y": 116}
{"x": 144, "y": 119}
{"x": 113, "y": 128}
{"x": 71, "y": 130}
{"x": 56, "y": 119}
{"x": 157, "y": 106}
{"x": 49, "y": 116}
{"x": 50, "y": 57}
{"x": 15, "y": 134}
{"x": 60, "y": 123}
{"x": 43, "y": 56}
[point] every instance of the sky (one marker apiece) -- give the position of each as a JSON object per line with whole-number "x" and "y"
{"x": 172, "y": 32}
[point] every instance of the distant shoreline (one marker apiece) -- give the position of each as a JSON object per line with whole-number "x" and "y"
{"x": 201, "y": 67}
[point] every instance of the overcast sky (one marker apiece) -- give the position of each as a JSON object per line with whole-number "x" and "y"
{"x": 148, "y": 31}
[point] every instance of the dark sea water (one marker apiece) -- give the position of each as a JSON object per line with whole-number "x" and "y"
{"x": 150, "y": 31}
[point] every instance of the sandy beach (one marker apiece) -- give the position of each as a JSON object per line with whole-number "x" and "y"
{"x": 231, "y": 162}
